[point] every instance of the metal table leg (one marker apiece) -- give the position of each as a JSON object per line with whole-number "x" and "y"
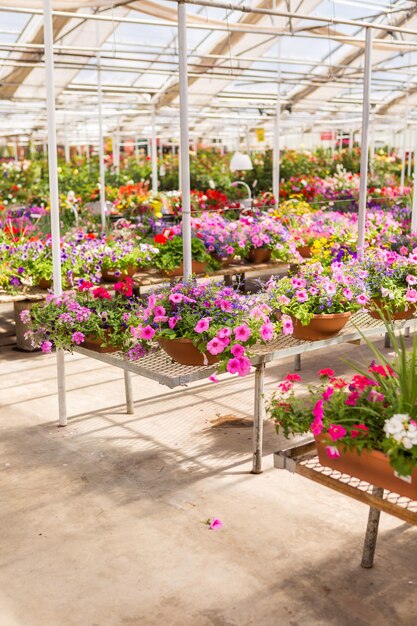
{"x": 297, "y": 363}
{"x": 371, "y": 535}
{"x": 387, "y": 343}
{"x": 62, "y": 403}
{"x": 128, "y": 392}
{"x": 258, "y": 419}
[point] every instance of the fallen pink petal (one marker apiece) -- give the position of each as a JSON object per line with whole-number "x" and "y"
{"x": 215, "y": 524}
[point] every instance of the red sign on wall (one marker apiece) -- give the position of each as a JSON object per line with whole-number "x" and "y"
{"x": 327, "y": 135}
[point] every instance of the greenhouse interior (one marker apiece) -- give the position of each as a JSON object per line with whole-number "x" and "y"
{"x": 208, "y": 298}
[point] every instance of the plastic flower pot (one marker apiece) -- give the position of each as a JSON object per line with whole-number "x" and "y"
{"x": 259, "y": 255}
{"x": 372, "y": 466}
{"x": 321, "y": 326}
{"x": 92, "y": 342}
{"x": 304, "y": 251}
{"x": 113, "y": 276}
{"x": 44, "y": 283}
{"x": 197, "y": 267}
{"x": 183, "y": 351}
{"x": 396, "y": 315}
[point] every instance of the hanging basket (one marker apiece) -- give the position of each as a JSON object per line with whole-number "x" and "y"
{"x": 96, "y": 344}
{"x": 321, "y": 326}
{"x": 304, "y": 251}
{"x": 113, "y": 276}
{"x": 371, "y": 466}
{"x": 256, "y": 256}
{"x": 197, "y": 267}
{"x": 396, "y": 315}
{"x": 183, "y": 351}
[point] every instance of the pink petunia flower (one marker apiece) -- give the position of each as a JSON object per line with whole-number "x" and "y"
{"x": 215, "y": 346}
{"x": 215, "y": 524}
{"x": 147, "y": 333}
{"x": 175, "y": 298}
{"x": 224, "y": 333}
{"x": 332, "y": 452}
{"x": 46, "y": 347}
{"x": 242, "y": 332}
{"x": 287, "y": 325}
{"x": 237, "y": 350}
{"x": 78, "y": 337}
{"x": 267, "y": 331}
{"x": 327, "y": 393}
{"x": 336, "y": 431}
{"x": 202, "y": 325}
{"x": 411, "y": 296}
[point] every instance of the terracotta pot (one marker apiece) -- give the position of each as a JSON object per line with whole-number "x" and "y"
{"x": 183, "y": 351}
{"x": 44, "y": 283}
{"x": 224, "y": 261}
{"x": 371, "y": 466}
{"x": 304, "y": 251}
{"x": 197, "y": 267}
{"x": 111, "y": 277}
{"x": 259, "y": 255}
{"x": 92, "y": 342}
{"x": 399, "y": 315}
{"x": 320, "y": 327}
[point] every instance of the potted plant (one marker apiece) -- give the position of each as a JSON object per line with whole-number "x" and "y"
{"x": 91, "y": 317}
{"x": 118, "y": 260}
{"x": 207, "y": 323}
{"x": 319, "y": 300}
{"x": 365, "y": 426}
{"x": 220, "y": 236}
{"x": 262, "y": 237}
{"x": 170, "y": 257}
{"x": 391, "y": 281}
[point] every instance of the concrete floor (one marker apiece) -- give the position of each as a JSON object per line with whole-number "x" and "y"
{"x": 103, "y": 522}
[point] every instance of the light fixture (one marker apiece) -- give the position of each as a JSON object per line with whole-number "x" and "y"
{"x": 240, "y": 162}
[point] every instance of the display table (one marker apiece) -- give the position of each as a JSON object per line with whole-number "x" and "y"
{"x": 303, "y": 460}
{"x": 160, "y": 367}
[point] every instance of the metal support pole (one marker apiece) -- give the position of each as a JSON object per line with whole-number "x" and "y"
{"x": 276, "y": 148}
{"x": 66, "y": 142}
{"x": 53, "y": 189}
{"x": 154, "y": 153}
{"x": 371, "y": 535}
{"x": 351, "y": 140}
{"x": 387, "y": 341}
{"x": 297, "y": 362}
{"x": 184, "y": 138}
{"x": 403, "y": 155}
{"x": 15, "y": 150}
{"x": 101, "y": 146}
{"x": 116, "y": 149}
{"x": 372, "y": 145}
{"x": 258, "y": 419}
{"x": 364, "y": 142}
{"x": 128, "y": 392}
{"x": 137, "y": 148}
{"x": 410, "y": 154}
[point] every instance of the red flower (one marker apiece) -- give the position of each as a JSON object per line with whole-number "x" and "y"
{"x": 124, "y": 287}
{"x": 91, "y": 236}
{"x": 160, "y": 239}
{"x": 293, "y": 378}
{"x": 101, "y": 293}
{"x": 85, "y": 285}
{"x": 338, "y": 383}
{"x": 326, "y": 372}
{"x": 382, "y": 370}
{"x": 358, "y": 429}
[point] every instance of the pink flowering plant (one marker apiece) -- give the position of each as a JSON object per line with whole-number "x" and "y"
{"x": 375, "y": 409}
{"x": 316, "y": 289}
{"x": 263, "y": 231}
{"x": 88, "y": 312}
{"x": 218, "y": 320}
{"x": 392, "y": 279}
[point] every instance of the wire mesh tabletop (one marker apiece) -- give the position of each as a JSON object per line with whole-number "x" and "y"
{"x": 157, "y": 365}
{"x": 307, "y": 464}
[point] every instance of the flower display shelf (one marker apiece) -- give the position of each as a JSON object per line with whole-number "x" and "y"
{"x": 303, "y": 460}
{"x": 160, "y": 367}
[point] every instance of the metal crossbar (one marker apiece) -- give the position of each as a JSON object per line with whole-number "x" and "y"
{"x": 303, "y": 460}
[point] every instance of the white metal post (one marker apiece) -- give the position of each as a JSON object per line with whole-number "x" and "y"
{"x": 276, "y": 148}
{"x": 154, "y": 153}
{"x": 137, "y": 148}
{"x": 402, "y": 179}
{"x": 184, "y": 138}
{"x": 351, "y": 139}
{"x": 414, "y": 209}
{"x": 363, "y": 184}
{"x": 116, "y": 149}
{"x": 101, "y": 146}
{"x": 66, "y": 142}
{"x": 15, "y": 150}
{"x": 53, "y": 189}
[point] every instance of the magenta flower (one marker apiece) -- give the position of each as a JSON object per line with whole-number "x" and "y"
{"x": 46, "y": 347}
{"x": 287, "y": 325}
{"x": 215, "y": 346}
{"x": 233, "y": 366}
{"x": 332, "y": 452}
{"x": 172, "y": 322}
{"x": 347, "y": 293}
{"x": 316, "y": 426}
{"x": 318, "y": 411}
{"x": 213, "y": 378}
{"x": 224, "y": 333}
{"x": 147, "y": 333}
{"x": 327, "y": 393}
{"x": 215, "y": 524}
{"x": 175, "y": 298}
{"x": 336, "y": 432}
{"x": 242, "y": 332}
{"x": 301, "y": 295}
{"x": 237, "y": 350}
{"x": 267, "y": 331}
{"x": 159, "y": 311}
{"x": 411, "y": 280}
{"x": 411, "y": 296}
{"x": 352, "y": 398}
{"x": 362, "y": 299}
{"x": 202, "y": 325}
{"x": 244, "y": 366}
{"x": 226, "y": 306}
{"x": 78, "y": 337}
